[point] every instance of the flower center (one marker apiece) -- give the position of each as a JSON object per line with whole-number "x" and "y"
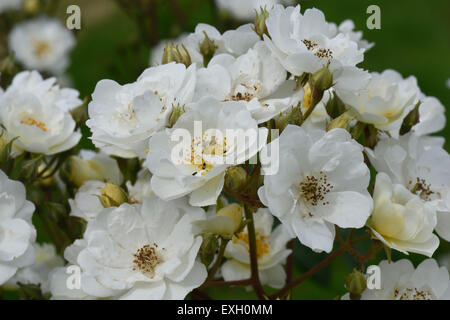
{"x": 422, "y": 189}
{"x": 313, "y": 189}
{"x": 32, "y": 122}
{"x": 321, "y": 53}
{"x": 245, "y": 91}
{"x": 41, "y": 48}
{"x": 147, "y": 258}
{"x": 262, "y": 242}
{"x": 413, "y": 294}
{"x": 203, "y": 151}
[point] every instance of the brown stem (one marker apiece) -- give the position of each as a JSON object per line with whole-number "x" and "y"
{"x": 244, "y": 198}
{"x": 309, "y": 273}
{"x": 290, "y": 262}
{"x": 201, "y": 295}
{"x": 229, "y": 283}
{"x": 253, "y": 257}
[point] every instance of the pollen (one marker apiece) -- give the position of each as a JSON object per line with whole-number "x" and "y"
{"x": 309, "y": 44}
{"x": 313, "y": 189}
{"x": 200, "y": 149}
{"x": 32, "y": 122}
{"x": 147, "y": 258}
{"x": 324, "y": 54}
{"x": 249, "y": 92}
{"x": 262, "y": 243}
{"x": 321, "y": 53}
{"x": 412, "y": 294}
{"x": 422, "y": 189}
{"x": 41, "y": 48}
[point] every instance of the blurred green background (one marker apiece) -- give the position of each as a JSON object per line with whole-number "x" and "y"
{"x": 414, "y": 39}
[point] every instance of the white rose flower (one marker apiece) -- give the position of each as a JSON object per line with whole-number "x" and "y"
{"x": 141, "y": 188}
{"x": 43, "y": 44}
{"x": 422, "y": 169}
{"x": 200, "y": 169}
{"x": 87, "y": 204}
{"x": 36, "y": 113}
{"x": 400, "y": 281}
{"x": 122, "y": 118}
{"x": 225, "y": 222}
{"x": 322, "y": 180}
{"x": 347, "y": 27}
{"x": 10, "y": 5}
{"x": 245, "y": 10}
{"x": 90, "y": 165}
{"x": 386, "y": 100}
{"x": 270, "y": 249}
{"x": 141, "y": 252}
{"x": 17, "y": 232}
{"x": 45, "y": 260}
{"x": 431, "y": 117}
{"x": 401, "y": 220}
{"x": 306, "y": 43}
{"x": 58, "y": 277}
{"x": 256, "y": 78}
{"x": 235, "y": 42}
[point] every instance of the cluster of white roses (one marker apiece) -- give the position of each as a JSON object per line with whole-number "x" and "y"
{"x": 144, "y": 243}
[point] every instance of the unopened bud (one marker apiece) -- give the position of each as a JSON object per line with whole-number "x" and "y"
{"x": 335, "y": 106}
{"x": 31, "y": 6}
{"x": 307, "y": 96}
{"x": 234, "y": 212}
{"x": 282, "y": 120}
{"x": 207, "y": 49}
{"x": 260, "y": 22}
{"x": 112, "y": 195}
{"x": 177, "y": 111}
{"x": 208, "y": 249}
{"x": 302, "y": 80}
{"x": 226, "y": 222}
{"x": 235, "y": 178}
{"x": 411, "y": 119}
{"x": 80, "y": 113}
{"x": 174, "y": 53}
{"x": 77, "y": 171}
{"x": 355, "y": 283}
{"x": 7, "y": 65}
{"x": 321, "y": 80}
{"x": 343, "y": 121}
{"x": 2, "y": 144}
{"x": 48, "y": 181}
